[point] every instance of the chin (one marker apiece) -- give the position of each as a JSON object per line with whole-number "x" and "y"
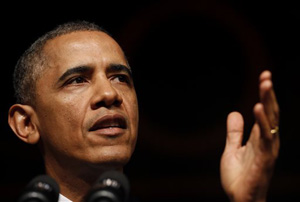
{"x": 113, "y": 158}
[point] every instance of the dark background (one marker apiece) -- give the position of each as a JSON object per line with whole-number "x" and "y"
{"x": 193, "y": 63}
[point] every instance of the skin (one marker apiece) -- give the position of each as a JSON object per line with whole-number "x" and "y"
{"x": 97, "y": 85}
{"x": 87, "y": 79}
{"x": 246, "y": 170}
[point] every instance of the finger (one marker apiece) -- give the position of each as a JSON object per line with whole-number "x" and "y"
{"x": 268, "y": 99}
{"x": 235, "y": 129}
{"x": 263, "y": 122}
{"x": 254, "y": 135}
{"x": 265, "y": 75}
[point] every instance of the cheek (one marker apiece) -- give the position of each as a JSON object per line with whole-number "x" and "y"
{"x": 130, "y": 102}
{"x": 62, "y": 119}
{"x": 131, "y": 107}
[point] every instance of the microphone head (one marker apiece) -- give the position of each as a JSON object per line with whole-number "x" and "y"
{"x": 42, "y": 188}
{"x": 111, "y": 186}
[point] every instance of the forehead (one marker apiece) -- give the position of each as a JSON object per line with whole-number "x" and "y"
{"x": 82, "y": 47}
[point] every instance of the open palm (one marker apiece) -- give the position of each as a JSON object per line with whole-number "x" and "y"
{"x": 246, "y": 169}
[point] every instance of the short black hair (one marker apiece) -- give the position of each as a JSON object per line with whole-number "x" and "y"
{"x": 32, "y": 62}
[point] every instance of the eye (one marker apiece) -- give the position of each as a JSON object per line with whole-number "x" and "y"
{"x": 121, "y": 78}
{"x": 76, "y": 80}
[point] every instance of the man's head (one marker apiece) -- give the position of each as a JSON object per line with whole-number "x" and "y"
{"x": 31, "y": 64}
{"x": 81, "y": 105}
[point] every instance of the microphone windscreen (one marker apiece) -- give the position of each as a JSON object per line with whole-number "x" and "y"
{"x": 42, "y": 188}
{"x": 112, "y": 186}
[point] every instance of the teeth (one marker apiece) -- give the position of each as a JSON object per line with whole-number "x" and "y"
{"x": 110, "y": 126}
{"x": 112, "y": 123}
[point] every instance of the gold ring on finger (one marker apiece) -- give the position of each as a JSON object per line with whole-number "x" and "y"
{"x": 274, "y": 130}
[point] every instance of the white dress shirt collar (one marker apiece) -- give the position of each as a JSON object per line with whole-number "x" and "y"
{"x": 62, "y": 198}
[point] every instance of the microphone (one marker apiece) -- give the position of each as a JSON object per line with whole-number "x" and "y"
{"x": 111, "y": 186}
{"x": 42, "y": 188}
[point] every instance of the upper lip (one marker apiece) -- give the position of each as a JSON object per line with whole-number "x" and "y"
{"x": 108, "y": 121}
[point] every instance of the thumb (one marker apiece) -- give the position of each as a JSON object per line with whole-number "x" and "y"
{"x": 235, "y": 130}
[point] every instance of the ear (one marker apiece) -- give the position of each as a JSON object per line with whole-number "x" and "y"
{"x": 21, "y": 119}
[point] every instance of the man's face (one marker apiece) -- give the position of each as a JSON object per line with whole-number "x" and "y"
{"x": 87, "y": 110}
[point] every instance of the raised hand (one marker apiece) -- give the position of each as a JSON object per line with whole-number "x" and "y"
{"x": 246, "y": 170}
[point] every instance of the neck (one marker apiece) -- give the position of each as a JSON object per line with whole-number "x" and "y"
{"x": 76, "y": 180}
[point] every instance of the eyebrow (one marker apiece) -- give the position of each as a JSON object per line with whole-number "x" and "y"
{"x": 84, "y": 69}
{"x": 74, "y": 70}
{"x": 119, "y": 68}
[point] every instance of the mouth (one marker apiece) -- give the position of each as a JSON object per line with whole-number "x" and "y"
{"x": 109, "y": 122}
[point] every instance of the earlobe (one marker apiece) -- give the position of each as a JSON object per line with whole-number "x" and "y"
{"x": 21, "y": 120}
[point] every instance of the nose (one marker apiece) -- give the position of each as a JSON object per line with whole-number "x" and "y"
{"x": 105, "y": 95}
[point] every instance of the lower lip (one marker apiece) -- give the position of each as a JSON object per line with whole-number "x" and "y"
{"x": 112, "y": 131}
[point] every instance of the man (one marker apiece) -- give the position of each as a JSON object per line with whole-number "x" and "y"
{"x": 76, "y": 100}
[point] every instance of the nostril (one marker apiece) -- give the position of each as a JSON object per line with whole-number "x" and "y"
{"x": 117, "y": 103}
{"x": 98, "y": 105}
{"x": 107, "y": 103}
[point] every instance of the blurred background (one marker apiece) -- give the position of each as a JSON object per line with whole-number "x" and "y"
{"x": 193, "y": 63}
